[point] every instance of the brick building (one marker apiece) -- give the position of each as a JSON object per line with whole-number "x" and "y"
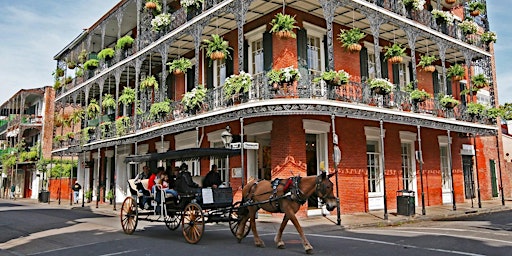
{"x": 389, "y": 141}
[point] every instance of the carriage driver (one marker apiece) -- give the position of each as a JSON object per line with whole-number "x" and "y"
{"x": 184, "y": 182}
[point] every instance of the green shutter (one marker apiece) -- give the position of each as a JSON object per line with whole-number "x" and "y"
{"x": 363, "y": 63}
{"x": 326, "y": 54}
{"x": 383, "y": 66}
{"x": 494, "y": 186}
{"x": 209, "y": 76}
{"x": 435, "y": 82}
{"x": 302, "y": 49}
{"x": 267, "y": 51}
{"x": 190, "y": 78}
{"x": 411, "y": 72}
{"x": 396, "y": 73}
{"x": 230, "y": 64}
{"x": 449, "y": 90}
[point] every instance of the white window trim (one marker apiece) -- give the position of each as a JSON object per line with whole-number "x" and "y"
{"x": 251, "y": 36}
{"x": 315, "y": 126}
{"x": 406, "y": 136}
{"x": 373, "y": 134}
{"x": 316, "y": 31}
{"x": 258, "y": 128}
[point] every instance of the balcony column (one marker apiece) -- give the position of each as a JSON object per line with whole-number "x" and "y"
{"x": 137, "y": 40}
{"x": 329, "y": 7}
{"x": 375, "y": 22}
{"x": 163, "y": 49}
{"x": 197, "y": 31}
{"x": 138, "y": 64}
{"x": 442, "y": 55}
{"x": 101, "y": 83}
{"x": 241, "y": 7}
{"x": 468, "y": 56}
{"x": 87, "y": 90}
{"x": 117, "y": 74}
{"x": 119, "y": 17}
{"x": 103, "y": 27}
{"x": 412, "y": 35}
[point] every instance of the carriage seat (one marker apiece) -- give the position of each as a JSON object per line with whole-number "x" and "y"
{"x": 134, "y": 186}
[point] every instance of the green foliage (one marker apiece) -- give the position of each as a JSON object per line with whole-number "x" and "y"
{"x": 68, "y": 80}
{"x": 59, "y": 138}
{"x": 57, "y": 85}
{"x": 419, "y": 95}
{"x": 191, "y": 4}
{"x": 480, "y": 80}
{"x": 194, "y": 98}
{"x": 122, "y": 123}
{"x": 507, "y": 111}
{"x": 350, "y": 37}
{"x": 395, "y": 50}
{"x": 71, "y": 64}
{"x": 337, "y": 78}
{"x": 61, "y": 169}
{"x": 488, "y": 37}
{"x": 455, "y": 70}
{"x": 237, "y": 84}
{"x": 82, "y": 56}
{"x": 475, "y": 109}
{"x": 426, "y": 60}
{"x": 494, "y": 113}
{"x": 128, "y": 96}
{"x": 79, "y": 72}
{"x": 160, "y": 109}
{"x": 93, "y": 109}
{"x": 448, "y": 101}
{"x": 110, "y": 195}
{"x": 381, "y": 83}
{"x": 288, "y": 74}
{"x": 217, "y": 44}
{"x": 179, "y": 64}
{"x": 85, "y": 133}
{"x": 468, "y": 27}
{"x": 88, "y": 194}
{"x": 70, "y": 135}
{"x": 108, "y": 101}
{"x": 149, "y": 81}
{"x": 124, "y": 42}
{"x": 476, "y": 5}
{"x": 106, "y": 54}
{"x": 283, "y": 22}
{"x": 59, "y": 72}
{"x": 91, "y": 64}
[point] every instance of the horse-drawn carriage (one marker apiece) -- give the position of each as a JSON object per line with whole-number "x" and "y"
{"x": 193, "y": 211}
{"x": 190, "y": 210}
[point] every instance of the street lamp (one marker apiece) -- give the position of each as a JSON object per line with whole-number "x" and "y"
{"x": 227, "y": 137}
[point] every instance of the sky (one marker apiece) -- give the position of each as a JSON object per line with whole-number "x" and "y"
{"x": 33, "y": 31}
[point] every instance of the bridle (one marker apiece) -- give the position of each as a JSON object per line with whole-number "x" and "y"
{"x": 321, "y": 190}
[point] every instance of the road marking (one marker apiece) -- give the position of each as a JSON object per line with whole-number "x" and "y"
{"x": 452, "y": 235}
{"x": 384, "y": 243}
{"x": 118, "y": 253}
{"x": 456, "y": 230}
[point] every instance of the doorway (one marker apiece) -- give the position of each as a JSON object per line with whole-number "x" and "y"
{"x": 467, "y": 169}
{"x": 311, "y": 160}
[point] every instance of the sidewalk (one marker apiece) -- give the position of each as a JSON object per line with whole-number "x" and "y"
{"x": 347, "y": 221}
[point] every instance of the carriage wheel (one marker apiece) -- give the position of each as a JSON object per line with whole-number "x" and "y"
{"x": 172, "y": 220}
{"x": 129, "y": 215}
{"x": 193, "y": 223}
{"x": 234, "y": 220}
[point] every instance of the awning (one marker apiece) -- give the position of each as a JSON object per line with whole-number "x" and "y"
{"x": 183, "y": 154}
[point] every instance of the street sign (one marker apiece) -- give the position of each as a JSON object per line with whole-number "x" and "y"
{"x": 251, "y": 145}
{"x": 236, "y": 145}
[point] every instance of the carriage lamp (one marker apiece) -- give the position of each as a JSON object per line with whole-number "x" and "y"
{"x": 226, "y": 137}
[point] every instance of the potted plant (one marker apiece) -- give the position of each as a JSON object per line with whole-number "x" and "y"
{"x": 161, "y": 22}
{"x": 475, "y": 109}
{"x": 88, "y": 195}
{"x": 124, "y": 42}
{"x": 149, "y": 81}
{"x": 426, "y": 63}
{"x": 91, "y": 64}
{"x": 448, "y": 102}
{"x": 190, "y": 5}
{"x": 493, "y": 113}
{"x": 110, "y": 195}
{"x": 159, "y": 110}
{"x": 333, "y": 78}
{"x": 82, "y": 56}
{"x": 350, "y": 39}
{"x": 237, "y": 84}
{"x": 475, "y": 8}
{"x": 443, "y": 17}
{"x": 418, "y": 95}
{"x": 59, "y": 138}
{"x": 79, "y": 72}
{"x": 193, "y": 100}
{"x": 394, "y": 53}
{"x": 59, "y": 72}
{"x": 179, "y": 66}
{"x": 71, "y": 64}
{"x": 217, "y": 48}
{"x": 57, "y": 85}
{"x": 456, "y": 72}
{"x": 380, "y": 86}
{"x": 488, "y": 37}
{"x": 468, "y": 27}
{"x": 283, "y": 76}
{"x": 93, "y": 109}
{"x": 414, "y": 4}
{"x": 68, "y": 80}
{"x": 127, "y": 97}
{"x": 70, "y": 135}
{"x": 479, "y": 81}
{"x": 106, "y": 54}
{"x": 153, "y": 5}
{"x": 108, "y": 101}
{"x": 122, "y": 123}
{"x": 283, "y": 25}
{"x": 105, "y": 128}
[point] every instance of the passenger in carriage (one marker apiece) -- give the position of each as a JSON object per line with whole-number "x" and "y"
{"x": 142, "y": 176}
{"x": 184, "y": 182}
{"x": 212, "y": 179}
{"x": 168, "y": 185}
{"x": 155, "y": 179}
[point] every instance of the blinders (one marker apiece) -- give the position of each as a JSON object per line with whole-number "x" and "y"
{"x": 321, "y": 188}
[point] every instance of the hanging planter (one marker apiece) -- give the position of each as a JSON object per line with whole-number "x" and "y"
{"x": 394, "y": 53}
{"x": 106, "y": 54}
{"x": 448, "y": 102}
{"x": 380, "y": 86}
{"x": 350, "y": 39}
{"x": 283, "y": 25}
{"x": 149, "y": 82}
{"x": 456, "y": 72}
{"x": 153, "y": 5}
{"x": 426, "y": 63}
{"x": 480, "y": 81}
{"x": 475, "y": 8}
{"x": 217, "y": 48}
{"x": 179, "y": 66}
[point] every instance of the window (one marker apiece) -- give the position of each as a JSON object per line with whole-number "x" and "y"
{"x": 445, "y": 169}
{"x": 483, "y": 97}
{"x": 403, "y": 74}
{"x": 407, "y": 169}
{"x": 221, "y": 163}
{"x": 373, "y": 166}
{"x": 314, "y": 54}
{"x": 219, "y": 72}
{"x": 256, "y": 57}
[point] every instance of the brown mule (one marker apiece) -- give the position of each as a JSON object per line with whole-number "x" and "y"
{"x": 261, "y": 194}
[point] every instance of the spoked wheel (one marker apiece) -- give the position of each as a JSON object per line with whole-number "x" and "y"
{"x": 172, "y": 220}
{"x": 235, "y": 219}
{"x": 129, "y": 215}
{"x": 193, "y": 223}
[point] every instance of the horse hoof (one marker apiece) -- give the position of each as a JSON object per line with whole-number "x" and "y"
{"x": 260, "y": 245}
{"x": 280, "y": 245}
{"x": 309, "y": 251}
{"x": 239, "y": 240}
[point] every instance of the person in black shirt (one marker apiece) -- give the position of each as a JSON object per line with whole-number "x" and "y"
{"x": 184, "y": 182}
{"x": 212, "y": 179}
{"x": 76, "y": 191}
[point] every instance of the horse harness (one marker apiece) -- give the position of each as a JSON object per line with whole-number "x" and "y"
{"x": 291, "y": 190}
